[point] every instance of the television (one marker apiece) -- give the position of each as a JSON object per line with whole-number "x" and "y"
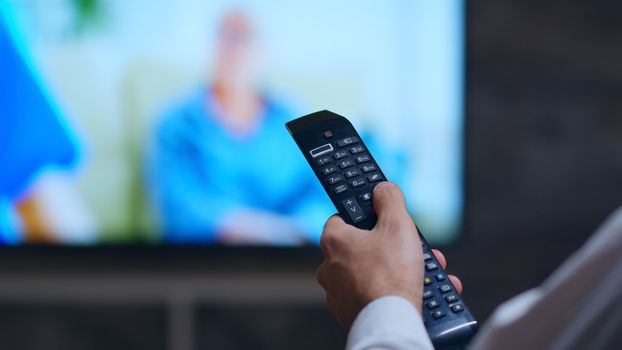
{"x": 162, "y": 122}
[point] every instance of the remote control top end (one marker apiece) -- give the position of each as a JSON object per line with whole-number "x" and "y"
{"x": 341, "y": 161}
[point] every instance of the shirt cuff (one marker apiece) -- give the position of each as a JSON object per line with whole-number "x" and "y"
{"x": 391, "y": 323}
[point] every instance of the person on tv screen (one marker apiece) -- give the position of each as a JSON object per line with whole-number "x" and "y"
{"x": 222, "y": 168}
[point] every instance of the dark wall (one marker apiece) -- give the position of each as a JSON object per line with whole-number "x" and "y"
{"x": 544, "y": 139}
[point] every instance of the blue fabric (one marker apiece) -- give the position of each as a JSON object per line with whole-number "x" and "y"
{"x": 32, "y": 136}
{"x": 198, "y": 172}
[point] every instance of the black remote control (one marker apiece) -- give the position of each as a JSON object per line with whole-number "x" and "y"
{"x": 348, "y": 172}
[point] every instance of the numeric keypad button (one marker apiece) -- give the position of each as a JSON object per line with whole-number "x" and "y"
{"x": 346, "y": 163}
{"x": 323, "y": 161}
{"x": 352, "y": 173}
{"x": 357, "y": 149}
{"x": 329, "y": 170}
{"x": 363, "y": 158}
{"x": 334, "y": 179}
{"x": 368, "y": 167}
{"x": 357, "y": 182}
{"x": 340, "y": 154}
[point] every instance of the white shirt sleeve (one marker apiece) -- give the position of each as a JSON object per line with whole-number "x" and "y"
{"x": 388, "y": 323}
{"x": 577, "y": 307}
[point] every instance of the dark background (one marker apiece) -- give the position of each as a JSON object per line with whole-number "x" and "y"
{"x": 544, "y": 139}
{"x": 543, "y": 169}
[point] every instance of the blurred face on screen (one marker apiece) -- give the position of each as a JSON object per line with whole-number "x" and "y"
{"x": 237, "y": 65}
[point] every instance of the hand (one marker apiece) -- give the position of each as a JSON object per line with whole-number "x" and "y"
{"x": 360, "y": 266}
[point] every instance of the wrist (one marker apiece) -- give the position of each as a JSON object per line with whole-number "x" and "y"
{"x": 415, "y": 300}
{"x": 391, "y": 319}
{"x": 413, "y": 295}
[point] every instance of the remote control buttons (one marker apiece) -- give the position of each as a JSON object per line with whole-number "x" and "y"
{"x": 354, "y": 210}
{"x": 427, "y": 294}
{"x": 352, "y": 173}
{"x": 347, "y": 141}
{"x": 338, "y": 163}
{"x": 368, "y": 167}
{"x": 327, "y": 134}
{"x": 356, "y": 149}
{"x": 427, "y": 281}
{"x": 457, "y": 308}
{"x": 329, "y": 169}
{"x": 334, "y": 179}
{"x": 374, "y": 177}
{"x": 357, "y": 182}
{"x": 322, "y": 161}
{"x": 445, "y": 288}
{"x": 427, "y": 256}
{"x": 439, "y": 277}
{"x": 340, "y": 189}
{"x": 318, "y": 151}
{"x": 438, "y": 314}
{"x": 340, "y": 154}
{"x": 433, "y": 304}
{"x": 431, "y": 266}
{"x": 346, "y": 163}
{"x": 451, "y": 298}
{"x": 363, "y": 158}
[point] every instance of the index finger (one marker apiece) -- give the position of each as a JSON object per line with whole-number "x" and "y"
{"x": 389, "y": 204}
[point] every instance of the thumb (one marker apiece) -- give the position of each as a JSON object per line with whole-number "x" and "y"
{"x": 389, "y": 203}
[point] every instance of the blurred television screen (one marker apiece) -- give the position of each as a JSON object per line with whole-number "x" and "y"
{"x": 171, "y": 115}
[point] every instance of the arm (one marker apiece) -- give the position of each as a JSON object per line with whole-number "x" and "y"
{"x": 577, "y": 307}
{"x": 374, "y": 279}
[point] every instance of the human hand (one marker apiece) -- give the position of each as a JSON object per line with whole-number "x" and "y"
{"x": 360, "y": 266}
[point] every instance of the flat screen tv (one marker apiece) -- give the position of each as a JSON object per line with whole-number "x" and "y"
{"x": 162, "y": 122}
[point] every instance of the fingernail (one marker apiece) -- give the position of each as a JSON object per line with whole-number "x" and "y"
{"x": 384, "y": 184}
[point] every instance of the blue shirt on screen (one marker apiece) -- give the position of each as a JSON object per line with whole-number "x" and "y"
{"x": 32, "y": 134}
{"x": 198, "y": 172}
